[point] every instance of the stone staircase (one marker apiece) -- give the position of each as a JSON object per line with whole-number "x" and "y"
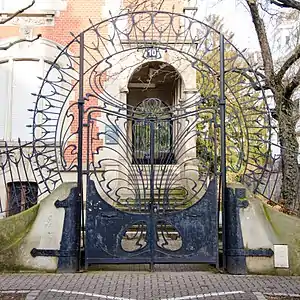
{"x": 169, "y": 191}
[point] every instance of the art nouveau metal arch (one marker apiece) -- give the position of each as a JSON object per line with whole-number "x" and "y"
{"x": 151, "y": 208}
{"x": 195, "y": 33}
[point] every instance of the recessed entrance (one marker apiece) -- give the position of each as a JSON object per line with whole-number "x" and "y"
{"x": 154, "y": 88}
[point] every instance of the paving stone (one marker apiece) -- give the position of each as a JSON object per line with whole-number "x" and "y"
{"x": 149, "y": 286}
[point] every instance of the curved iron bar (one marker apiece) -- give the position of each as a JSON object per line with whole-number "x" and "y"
{"x": 54, "y": 124}
{"x": 20, "y": 180}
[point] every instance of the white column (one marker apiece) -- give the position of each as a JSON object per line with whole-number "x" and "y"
{"x": 10, "y": 86}
{"x": 190, "y": 136}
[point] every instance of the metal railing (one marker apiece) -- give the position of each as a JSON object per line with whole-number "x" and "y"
{"x": 19, "y": 187}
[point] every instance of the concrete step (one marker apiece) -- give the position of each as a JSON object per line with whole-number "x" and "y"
{"x": 161, "y": 192}
{"x": 145, "y": 192}
{"x": 157, "y": 180}
{"x": 145, "y": 209}
{"x": 156, "y": 199}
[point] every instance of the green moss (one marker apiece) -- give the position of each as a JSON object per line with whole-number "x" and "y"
{"x": 272, "y": 272}
{"x": 287, "y": 230}
{"x": 268, "y": 217}
{"x": 12, "y": 231}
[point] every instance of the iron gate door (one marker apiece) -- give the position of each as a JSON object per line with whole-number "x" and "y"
{"x": 151, "y": 212}
{"x": 162, "y": 133}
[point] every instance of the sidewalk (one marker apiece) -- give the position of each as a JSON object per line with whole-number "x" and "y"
{"x": 164, "y": 285}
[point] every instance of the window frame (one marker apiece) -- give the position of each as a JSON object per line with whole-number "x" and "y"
{"x": 42, "y": 71}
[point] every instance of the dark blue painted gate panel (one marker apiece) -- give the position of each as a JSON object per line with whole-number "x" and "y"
{"x": 106, "y": 226}
{"x": 159, "y": 209}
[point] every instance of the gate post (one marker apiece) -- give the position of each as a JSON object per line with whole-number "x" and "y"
{"x": 152, "y": 208}
{"x": 79, "y": 202}
{"x": 234, "y": 260}
{"x": 71, "y": 236}
{"x": 222, "y": 105}
{"x": 234, "y": 251}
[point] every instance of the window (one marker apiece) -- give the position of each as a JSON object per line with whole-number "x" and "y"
{"x": 21, "y": 196}
{"x": 25, "y": 82}
{"x": 20, "y": 80}
{"x": 4, "y": 97}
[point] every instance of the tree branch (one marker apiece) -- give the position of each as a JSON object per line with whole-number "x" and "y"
{"x": 20, "y": 11}
{"x": 255, "y": 85}
{"x": 14, "y": 15}
{"x": 287, "y": 3}
{"x": 263, "y": 41}
{"x": 20, "y": 41}
{"x": 288, "y": 63}
{"x": 290, "y": 88}
{"x": 161, "y": 4}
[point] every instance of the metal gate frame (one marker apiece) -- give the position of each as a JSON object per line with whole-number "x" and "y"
{"x": 56, "y": 148}
{"x": 104, "y": 206}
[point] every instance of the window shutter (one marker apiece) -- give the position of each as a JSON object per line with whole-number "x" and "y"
{"x": 4, "y": 97}
{"x": 25, "y": 82}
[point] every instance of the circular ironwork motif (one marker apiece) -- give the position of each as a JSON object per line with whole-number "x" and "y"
{"x": 113, "y": 49}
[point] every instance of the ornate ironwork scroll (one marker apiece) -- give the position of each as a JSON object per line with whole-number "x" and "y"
{"x": 152, "y": 159}
{"x": 147, "y": 139}
{"x": 116, "y": 47}
{"x": 19, "y": 179}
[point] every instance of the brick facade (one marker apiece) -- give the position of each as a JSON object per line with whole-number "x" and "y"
{"x": 75, "y": 19}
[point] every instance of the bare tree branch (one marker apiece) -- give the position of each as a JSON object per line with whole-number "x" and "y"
{"x": 20, "y": 41}
{"x": 288, "y": 63}
{"x": 14, "y": 15}
{"x": 253, "y": 81}
{"x": 290, "y": 88}
{"x": 20, "y": 11}
{"x": 287, "y": 3}
{"x": 161, "y": 4}
{"x": 263, "y": 41}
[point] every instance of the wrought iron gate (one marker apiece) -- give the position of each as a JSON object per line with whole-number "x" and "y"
{"x": 152, "y": 169}
{"x": 152, "y": 172}
{"x": 162, "y": 130}
{"x": 151, "y": 211}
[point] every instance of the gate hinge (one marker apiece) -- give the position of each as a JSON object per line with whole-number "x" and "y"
{"x": 61, "y": 203}
{"x": 262, "y": 252}
{"x": 51, "y": 252}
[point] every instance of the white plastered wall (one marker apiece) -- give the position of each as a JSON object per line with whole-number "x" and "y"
{"x": 40, "y": 54}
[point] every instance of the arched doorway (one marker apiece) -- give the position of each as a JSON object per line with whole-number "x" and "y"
{"x": 154, "y": 88}
{"x": 152, "y": 124}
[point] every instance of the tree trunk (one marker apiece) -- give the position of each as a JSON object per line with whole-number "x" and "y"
{"x": 289, "y": 151}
